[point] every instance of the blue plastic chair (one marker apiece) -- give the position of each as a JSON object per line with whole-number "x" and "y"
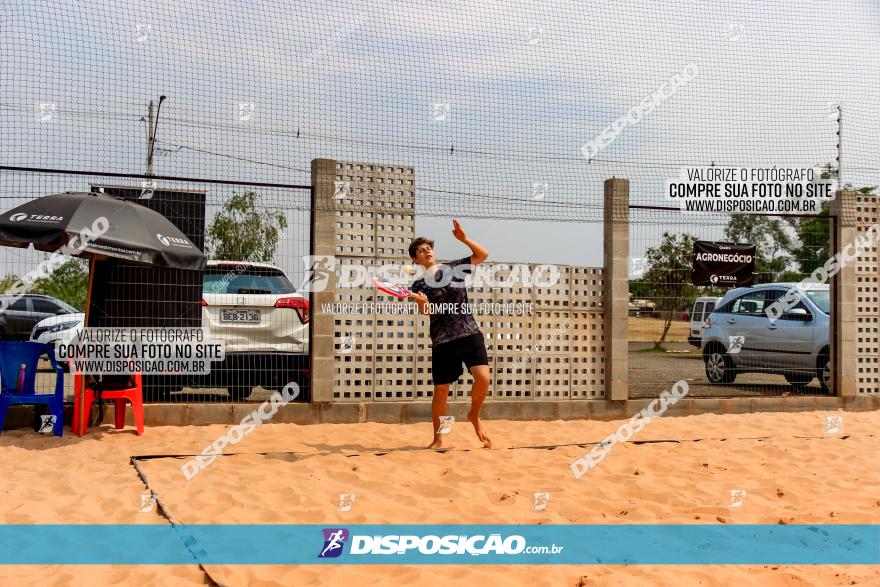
{"x": 12, "y": 356}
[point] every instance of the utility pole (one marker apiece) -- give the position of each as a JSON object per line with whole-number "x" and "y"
{"x": 839, "y": 147}
{"x": 150, "y": 123}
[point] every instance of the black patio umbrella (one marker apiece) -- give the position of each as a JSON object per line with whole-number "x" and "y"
{"x": 97, "y": 226}
{"x": 133, "y": 232}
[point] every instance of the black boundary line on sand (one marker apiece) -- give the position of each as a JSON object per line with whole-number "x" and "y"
{"x": 379, "y": 453}
{"x": 188, "y": 541}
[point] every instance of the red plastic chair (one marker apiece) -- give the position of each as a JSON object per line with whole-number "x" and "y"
{"x": 81, "y": 410}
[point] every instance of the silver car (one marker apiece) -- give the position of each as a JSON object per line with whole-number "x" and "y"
{"x": 740, "y": 337}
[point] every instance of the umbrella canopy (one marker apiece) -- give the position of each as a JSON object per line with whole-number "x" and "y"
{"x": 133, "y": 232}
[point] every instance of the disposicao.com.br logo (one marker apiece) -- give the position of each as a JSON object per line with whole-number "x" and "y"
{"x": 430, "y": 544}
{"x": 319, "y": 269}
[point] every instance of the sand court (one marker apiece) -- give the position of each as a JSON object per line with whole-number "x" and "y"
{"x": 709, "y": 469}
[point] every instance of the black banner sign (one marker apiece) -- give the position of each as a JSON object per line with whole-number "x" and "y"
{"x": 723, "y": 264}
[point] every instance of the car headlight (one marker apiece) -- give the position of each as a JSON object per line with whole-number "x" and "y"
{"x": 62, "y": 326}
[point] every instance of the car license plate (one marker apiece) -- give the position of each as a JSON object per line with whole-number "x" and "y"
{"x": 239, "y": 315}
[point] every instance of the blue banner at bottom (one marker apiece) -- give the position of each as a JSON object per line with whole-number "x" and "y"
{"x": 737, "y": 544}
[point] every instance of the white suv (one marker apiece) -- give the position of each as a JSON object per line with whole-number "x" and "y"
{"x": 254, "y": 307}
{"x": 263, "y": 322}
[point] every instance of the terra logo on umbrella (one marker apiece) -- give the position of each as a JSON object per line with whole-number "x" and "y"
{"x": 172, "y": 241}
{"x": 35, "y": 218}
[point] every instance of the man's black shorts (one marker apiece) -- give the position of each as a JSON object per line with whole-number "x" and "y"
{"x": 447, "y": 357}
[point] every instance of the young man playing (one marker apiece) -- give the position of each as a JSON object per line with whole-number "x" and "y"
{"x": 455, "y": 336}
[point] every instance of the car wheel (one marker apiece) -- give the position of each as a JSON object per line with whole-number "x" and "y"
{"x": 238, "y": 393}
{"x": 824, "y": 374}
{"x": 799, "y": 381}
{"x": 719, "y": 367}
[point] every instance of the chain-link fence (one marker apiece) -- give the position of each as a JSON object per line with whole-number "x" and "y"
{"x": 724, "y": 339}
{"x": 512, "y": 119}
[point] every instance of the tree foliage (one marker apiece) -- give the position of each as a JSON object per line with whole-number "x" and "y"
{"x": 670, "y": 265}
{"x": 241, "y": 232}
{"x": 772, "y": 240}
{"x": 69, "y": 283}
{"x": 814, "y": 241}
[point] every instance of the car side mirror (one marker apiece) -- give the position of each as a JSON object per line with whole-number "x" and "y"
{"x": 61, "y": 312}
{"x": 798, "y": 314}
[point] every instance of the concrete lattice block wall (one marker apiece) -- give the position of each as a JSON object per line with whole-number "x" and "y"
{"x": 867, "y": 301}
{"x": 556, "y": 353}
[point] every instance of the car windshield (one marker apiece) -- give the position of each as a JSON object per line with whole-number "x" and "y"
{"x": 822, "y": 299}
{"x": 233, "y": 279}
{"x": 67, "y": 307}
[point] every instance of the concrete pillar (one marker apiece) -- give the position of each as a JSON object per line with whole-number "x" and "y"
{"x": 844, "y": 329}
{"x": 321, "y": 328}
{"x": 616, "y": 288}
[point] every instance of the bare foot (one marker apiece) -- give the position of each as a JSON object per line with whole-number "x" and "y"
{"x": 438, "y": 443}
{"x": 478, "y": 428}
